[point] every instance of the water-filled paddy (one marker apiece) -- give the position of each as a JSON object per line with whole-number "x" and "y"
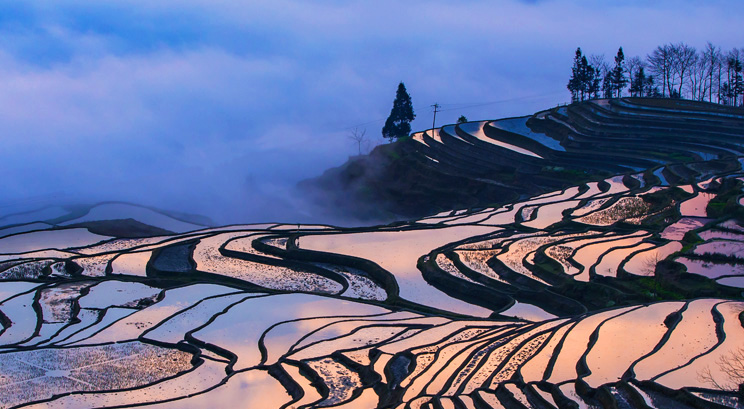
{"x": 398, "y": 253}
{"x": 290, "y": 315}
{"x": 476, "y": 129}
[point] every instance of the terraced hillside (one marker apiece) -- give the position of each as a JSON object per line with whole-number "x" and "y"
{"x": 487, "y": 163}
{"x": 620, "y": 292}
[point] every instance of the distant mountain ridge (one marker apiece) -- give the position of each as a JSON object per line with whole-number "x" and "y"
{"x": 120, "y": 219}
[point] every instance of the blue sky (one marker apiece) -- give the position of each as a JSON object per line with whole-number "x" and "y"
{"x": 219, "y": 107}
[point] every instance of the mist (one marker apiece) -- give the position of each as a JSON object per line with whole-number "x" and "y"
{"x": 219, "y": 108}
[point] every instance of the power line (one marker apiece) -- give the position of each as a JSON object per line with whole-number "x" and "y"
{"x": 480, "y": 104}
{"x": 362, "y": 124}
{"x": 508, "y": 100}
{"x": 460, "y": 106}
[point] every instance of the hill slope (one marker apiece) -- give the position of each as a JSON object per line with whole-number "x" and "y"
{"x": 625, "y": 292}
{"x": 480, "y": 164}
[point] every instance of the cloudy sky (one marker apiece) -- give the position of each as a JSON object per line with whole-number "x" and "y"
{"x": 218, "y": 107}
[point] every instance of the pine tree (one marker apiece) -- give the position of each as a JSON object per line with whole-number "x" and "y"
{"x": 575, "y": 83}
{"x": 619, "y": 80}
{"x": 608, "y": 85}
{"x": 398, "y": 124}
{"x": 462, "y": 119}
{"x": 639, "y": 84}
{"x": 586, "y": 75}
{"x": 595, "y": 85}
{"x": 736, "y": 81}
{"x": 651, "y": 90}
{"x": 725, "y": 94}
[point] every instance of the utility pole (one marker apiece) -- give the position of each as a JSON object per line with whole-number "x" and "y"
{"x": 436, "y": 109}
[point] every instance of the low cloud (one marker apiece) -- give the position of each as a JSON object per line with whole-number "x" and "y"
{"x": 220, "y": 107}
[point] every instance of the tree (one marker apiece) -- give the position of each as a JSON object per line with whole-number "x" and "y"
{"x": 462, "y": 119}
{"x": 398, "y": 124}
{"x": 594, "y": 83}
{"x": 684, "y": 58}
{"x": 638, "y": 83}
{"x": 724, "y": 93}
{"x": 660, "y": 64}
{"x": 634, "y": 64}
{"x": 594, "y": 73}
{"x": 608, "y": 86}
{"x": 575, "y": 83}
{"x": 730, "y": 90}
{"x": 360, "y": 138}
{"x": 699, "y": 79}
{"x": 735, "y": 67}
{"x": 652, "y": 90}
{"x": 597, "y": 77}
{"x": 712, "y": 56}
{"x": 586, "y": 77}
{"x": 671, "y": 71}
{"x": 619, "y": 80}
{"x": 731, "y": 366}
{"x": 604, "y": 75}
{"x": 673, "y": 63}
{"x": 643, "y": 86}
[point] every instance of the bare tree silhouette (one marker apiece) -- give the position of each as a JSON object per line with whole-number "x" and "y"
{"x": 360, "y": 137}
{"x": 650, "y": 262}
{"x": 731, "y": 366}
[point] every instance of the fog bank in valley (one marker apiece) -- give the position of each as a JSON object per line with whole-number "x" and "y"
{"x": 219, "y": 108}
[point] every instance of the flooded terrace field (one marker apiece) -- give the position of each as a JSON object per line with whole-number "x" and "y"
{"x": 490, "y": 307}
{"x": 620, "y": 292}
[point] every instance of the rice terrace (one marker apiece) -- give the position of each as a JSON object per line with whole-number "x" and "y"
{"x": 623, "y": 289}
{"x": 589, "y": 255}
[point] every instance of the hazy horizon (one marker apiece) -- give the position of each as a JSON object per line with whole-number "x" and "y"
{"x": 220, "y": 108}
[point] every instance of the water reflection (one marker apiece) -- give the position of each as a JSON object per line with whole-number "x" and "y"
{"x": 398, "y": 253}
{"x": 237, "y": 314}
